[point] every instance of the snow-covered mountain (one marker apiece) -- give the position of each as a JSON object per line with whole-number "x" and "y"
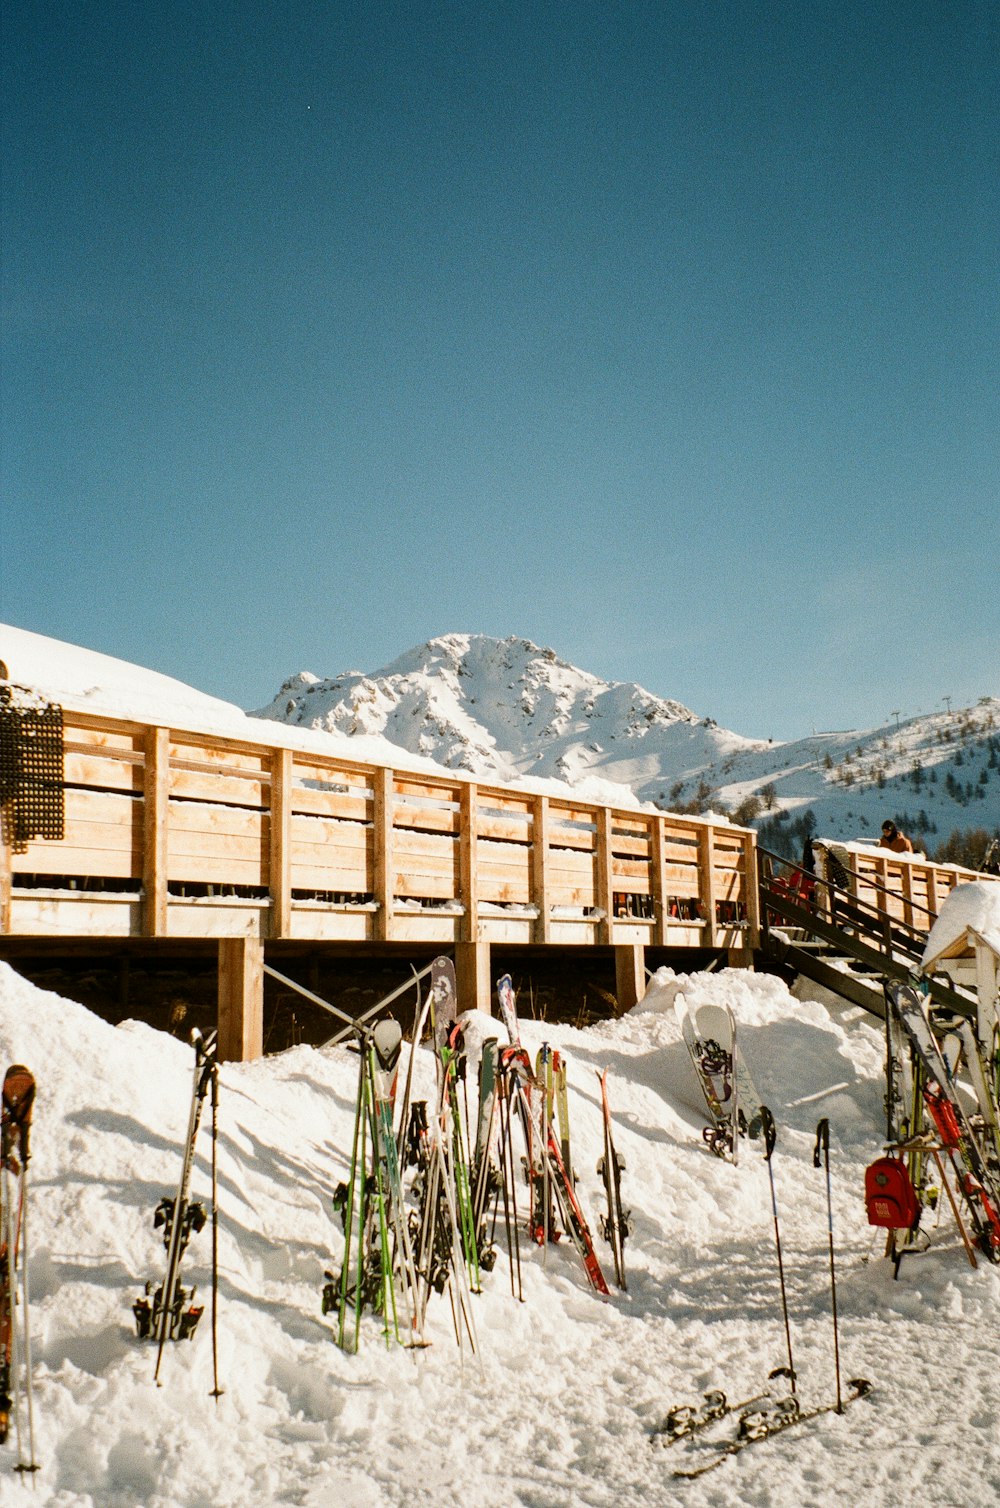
{"x": 503, "y": 708}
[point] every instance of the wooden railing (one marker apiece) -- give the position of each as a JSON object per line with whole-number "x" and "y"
{"x": 903, "y": 888}
{"x": 183, "y": 834}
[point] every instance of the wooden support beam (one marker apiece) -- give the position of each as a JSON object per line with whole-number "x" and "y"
{"x": 472, "y": 976}
{"x": 630, "y": 975}
{"x": 706, "y": 886}
{"x": 539, "y": 857}
{"x": 468, "y": 872}
{"x": 384, "y": 887}
{"x": 751, "y": 892}
{"x": 280, "y": 845}
{"x": 241, "y": 999}
{"x": 907, "y": 885}
{"x": 658, "y": 881}
{"x": 155, "y": 797}
{"x": 604, "y": 886}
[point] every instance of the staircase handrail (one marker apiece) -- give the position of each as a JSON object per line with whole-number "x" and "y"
{"x": 878, "y": 921}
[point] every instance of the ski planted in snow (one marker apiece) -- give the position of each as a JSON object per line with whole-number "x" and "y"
{"x": 616, "y": 1225}
{"x": 16, "y": 1386}
{"x": 172, "y": 1313}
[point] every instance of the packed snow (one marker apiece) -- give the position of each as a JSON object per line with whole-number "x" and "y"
{"x": 974, "y": 906}
{"x": 559, "y": 1406}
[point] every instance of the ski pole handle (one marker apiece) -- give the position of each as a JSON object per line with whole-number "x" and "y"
{"x": 822, "y": 1142}
{"x": 770, "y": 1132}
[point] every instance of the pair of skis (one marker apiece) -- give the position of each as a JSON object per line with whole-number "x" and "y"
{"x": 755, "y": 1422}
{"x": 169, "y": 1312}
{"x": 16, "y": 1389}
{"x": 730, "y": 1094}
{"x": 550, "y": 1180}
{"x": 922, "y": 1092}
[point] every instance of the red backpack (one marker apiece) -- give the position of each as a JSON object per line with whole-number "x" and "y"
{"x": 889, "y": 1195}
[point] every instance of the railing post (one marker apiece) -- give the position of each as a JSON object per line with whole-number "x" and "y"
{"x": 706, "y": 871}
{"x": 539, "y": 868}
{"x": 468, "y": 870}
{"x": 384, "y": 887}
{"x": 155, "y": 800}
{"x": 605, "y": 883}
{"x": 280, "y": 847}
{"x": 751, "y": 891}
{"x": 658, "y": 880}
{"x": 932, "y": 897}
{"x": 907, "y": 884}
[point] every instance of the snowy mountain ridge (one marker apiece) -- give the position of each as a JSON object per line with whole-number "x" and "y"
{"x": 504, "y": 708}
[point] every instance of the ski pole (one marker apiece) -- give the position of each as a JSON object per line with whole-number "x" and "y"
{"x": 18, "y": 1101}
{"x": 770, "y": 1138}
{"x": 216, "y": 1392}
{"x": 823, "y": 1144}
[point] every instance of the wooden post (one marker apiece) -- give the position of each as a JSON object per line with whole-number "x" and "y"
{"x": 605, "y": 880}
{"x": 241, "y": 998}
{"x": 658, "y": 881}
{"x": 472, "y": 976}
{"x": 906, "y": 879}
{"x": 384, "y": 887}
{"x": 280, "y": 845}
{"x": 932, "y": 897}
{"x": 706, "y": 873}
{"x": 630, "y": 975}
{"x": 468, "y": 873}
{"x": 155, "y": 798}
{"x": 539, "y": 866}
{"x": 751, "y": 892}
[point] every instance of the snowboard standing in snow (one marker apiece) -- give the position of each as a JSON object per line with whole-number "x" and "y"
{"x": 16, "y": 1389}
{"x": 730, "y": 1094}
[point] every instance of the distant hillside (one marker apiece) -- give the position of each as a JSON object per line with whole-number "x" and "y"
{"x": 503, "y": 708}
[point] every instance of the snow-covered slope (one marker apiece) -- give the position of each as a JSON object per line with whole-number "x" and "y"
{"x": 559, "y": 1406}
{"x": 503, "y": 707}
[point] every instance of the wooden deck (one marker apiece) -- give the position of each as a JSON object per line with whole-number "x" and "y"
{"x": 172, "y": 834}
{"x": 177, "y": 834}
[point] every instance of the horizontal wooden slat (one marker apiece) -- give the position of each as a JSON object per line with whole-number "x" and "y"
{"x": 210, "y": 756}
{"x": 427, "y": 790}
{"x": 357, "y": 808}
{"x": 123, "y": 774}
{"x": 197, "y": 785}
{"x": 427, "y": 818}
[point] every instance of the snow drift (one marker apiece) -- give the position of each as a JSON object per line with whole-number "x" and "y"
{"x": 559, "y": 1406}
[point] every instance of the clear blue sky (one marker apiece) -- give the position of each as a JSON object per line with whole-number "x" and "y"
{"x": 664, "y": 334}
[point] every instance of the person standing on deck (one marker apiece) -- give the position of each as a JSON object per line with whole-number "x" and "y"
{"x": 894, "y": 839}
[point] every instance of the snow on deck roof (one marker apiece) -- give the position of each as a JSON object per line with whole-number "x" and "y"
{"x": 974, "y": 907}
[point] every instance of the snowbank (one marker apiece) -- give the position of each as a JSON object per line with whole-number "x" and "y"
{"x": 559, "y": 1406}
{"x": 976, "y": 905}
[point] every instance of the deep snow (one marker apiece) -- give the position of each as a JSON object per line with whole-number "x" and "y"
{"x": 559, "y": 1406}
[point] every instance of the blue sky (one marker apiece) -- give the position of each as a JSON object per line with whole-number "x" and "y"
{"x": 667, "y": 335}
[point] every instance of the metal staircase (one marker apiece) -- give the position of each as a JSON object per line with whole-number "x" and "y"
{"x": 819, "y": 928}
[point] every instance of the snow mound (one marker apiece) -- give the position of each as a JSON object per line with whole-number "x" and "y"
{"x": 974, "y": 905}
{"x": 559, "y": 1406}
